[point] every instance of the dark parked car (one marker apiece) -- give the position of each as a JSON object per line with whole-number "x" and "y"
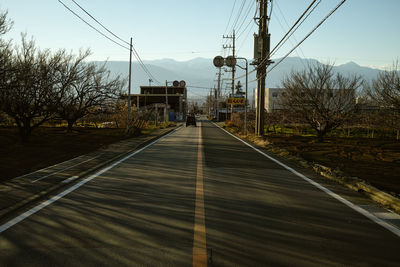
{"x": 190, "y": 120}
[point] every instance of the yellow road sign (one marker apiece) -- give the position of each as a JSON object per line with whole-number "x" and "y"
{"x": 235, "y": 101}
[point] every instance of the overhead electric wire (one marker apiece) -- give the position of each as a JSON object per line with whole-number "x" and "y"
{"x": 245, "y": 39}
{"x": 311, "y": 32}
{"x": 238, "y": 35}
{"x": 238, "y": 16}
{"x": 250, "y": 29}
{"x": 92, "y": 26}
{"x": 296, "y": 29}
{"x": 229, "y": 21}
{"x": 199, "y": 87}
{"x": 282, "y": 39}
{"x": 100, "y": 23}
{"x": 294, "y": 25}
{"x": 136, "y": 54}
{"x": 308, "y": 35}
{"x": 244, "y": 19}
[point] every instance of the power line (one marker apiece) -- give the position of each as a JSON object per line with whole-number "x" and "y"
{"x": 296, "y": 29}
{"x": 308, "y": 35}
{"x": 311, "y": 32}
{"x": 136, "y": 54}
{"x": 227, "y": 25}
{"x": 238, "y": 15}
{"x": 87, "y": 23}
{"x": 283, "y": 38}
{"x": 100, "y": 23}
{"x": 199, "y": 87}
{"x": 245, "y": 17}
{"x": 255, "y": 13}
{"x": 294, "y": 25}
{"x": 245, "y": 38}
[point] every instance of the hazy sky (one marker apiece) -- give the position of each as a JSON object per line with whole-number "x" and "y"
{"x": 364, "y": 31}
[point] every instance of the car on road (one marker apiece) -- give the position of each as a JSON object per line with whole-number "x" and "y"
{"x": 190, "y": 120}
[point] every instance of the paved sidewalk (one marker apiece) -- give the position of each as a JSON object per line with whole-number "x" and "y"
{"x": 23, "y": 190}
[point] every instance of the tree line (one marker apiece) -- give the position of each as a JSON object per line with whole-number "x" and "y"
{"x": 38, "y": 85}
{"x": 325, "y": 101}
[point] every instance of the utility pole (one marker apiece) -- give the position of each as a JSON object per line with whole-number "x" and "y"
{"x": 166, "y": 102}
{"x": 218, "y": 92}
{"x": 128, "y": 120}
{"x": 262, "y": 60}
{"x": 233, "y": 37}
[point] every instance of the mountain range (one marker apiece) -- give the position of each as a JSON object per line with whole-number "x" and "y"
{"x": 200, "y": 73}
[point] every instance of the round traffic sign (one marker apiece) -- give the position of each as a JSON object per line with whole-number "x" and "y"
{"x": 218, "y": 61}
{"x": 182, "y": 83}
{"x": 230, "y": 61}
{"x": 175, "y": 83}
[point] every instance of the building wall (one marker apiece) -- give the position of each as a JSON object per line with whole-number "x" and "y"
{"x": 272, "y": 98}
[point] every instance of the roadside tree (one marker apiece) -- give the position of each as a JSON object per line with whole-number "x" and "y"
{"x": 5, "y": 55}
{"x": 85, "y": 88}
{"x": 385, "y": 92}
{"x": 386, "y": 88}
{"x": 320, "y": 98}
{"x": 27, "y": 91}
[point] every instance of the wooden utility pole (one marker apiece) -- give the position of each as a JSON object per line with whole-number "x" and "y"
{"x": 218, "y": 92}
{"x": 166, "y": 102}
{"x": 233, "y": 37}
{"x": 128, "y": 119}
{"x": 264, "y": 49}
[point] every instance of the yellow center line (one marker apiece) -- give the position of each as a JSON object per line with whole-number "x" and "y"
{"x": 199, "y": 239}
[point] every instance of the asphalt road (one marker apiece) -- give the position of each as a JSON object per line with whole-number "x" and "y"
{"x": 246, "y": 209}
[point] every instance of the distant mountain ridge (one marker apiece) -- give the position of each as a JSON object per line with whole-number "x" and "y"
{"x": 200, "y": 72}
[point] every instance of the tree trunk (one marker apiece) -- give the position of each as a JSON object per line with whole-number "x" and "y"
{"x": 320, "y": 136}
{"x": 70, "y": 124}
{"x": 25, "y": 131}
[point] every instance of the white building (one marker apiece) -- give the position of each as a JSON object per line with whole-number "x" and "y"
{"x": 271, "y": 98}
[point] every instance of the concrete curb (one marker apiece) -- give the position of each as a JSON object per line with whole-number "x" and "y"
{"x": 338, "y": 176}
{"x": 44, "y": 194}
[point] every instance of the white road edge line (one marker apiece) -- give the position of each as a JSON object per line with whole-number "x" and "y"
{"x": 360, "y": 210}
{"x": 51, "y": 174}
{"x": 44, "y": 204}
{"x": 24, "y": 175}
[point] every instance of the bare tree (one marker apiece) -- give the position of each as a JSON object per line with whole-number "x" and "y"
{"x": 5, "y": 23}
{"x": 27, "y": 93}
{"x": 84, "y": 89}
{"x": 320, "y": 98}
{"x": 5, "y": 54}
{"x": 386, "y": 88}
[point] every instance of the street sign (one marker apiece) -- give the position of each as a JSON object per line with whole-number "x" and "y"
{"x": 175, "y": 83}
{"x": 230, "y": 61}
{"x": 235, "y": 101}
{"x": 182, "y": 83}
{"x": 218, "y": 61}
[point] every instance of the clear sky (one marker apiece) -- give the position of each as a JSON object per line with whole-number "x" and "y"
{"x": 364, "y": 31}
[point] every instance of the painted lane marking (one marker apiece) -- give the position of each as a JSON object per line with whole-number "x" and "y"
{"x": 357, "y": 208}
{"x": 51, "y": 174}
{"x": 199, "y": 238}
{"x": 24, "y": 175}
{"x": 70, "y": 179}
{"x": 44, "y": 204}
